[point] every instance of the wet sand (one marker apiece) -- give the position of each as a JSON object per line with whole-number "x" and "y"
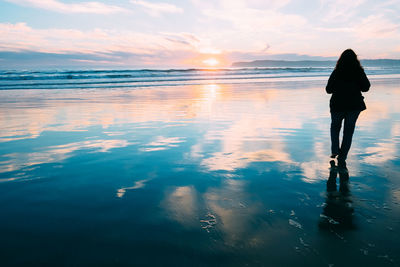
{"x": 197, "y": 175}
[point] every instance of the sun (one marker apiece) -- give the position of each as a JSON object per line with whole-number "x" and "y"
{"x": 207, "y": 61}
{"x": 212, "y": 62}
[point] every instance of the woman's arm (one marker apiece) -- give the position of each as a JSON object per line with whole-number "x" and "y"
{"x": 365, "y": 84}
{"x": 331, "y": 82}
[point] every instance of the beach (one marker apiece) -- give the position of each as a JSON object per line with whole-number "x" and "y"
{"x": 215, "y": 170}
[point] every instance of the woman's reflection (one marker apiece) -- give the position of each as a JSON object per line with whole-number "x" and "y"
{"x": 338, "y": 211}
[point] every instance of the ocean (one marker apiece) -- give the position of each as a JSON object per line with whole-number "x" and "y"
{"x": 84, "y": 79}
{"x": 197, "y": 167}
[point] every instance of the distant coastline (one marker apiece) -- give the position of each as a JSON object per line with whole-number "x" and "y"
{"x": 313, "y": 63}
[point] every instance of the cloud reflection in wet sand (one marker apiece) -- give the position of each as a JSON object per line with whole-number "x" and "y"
{"x": 162, "y": 143}
{"x": 181, "y": 205}
{"x": 205, "y": 140}
{"x": 57, "y": 153}
{"x": 233, "y": 210}
{"x": 226, "y": 210}
{"x": 138, "y": 184}
{"x": 254, "y": 120}
{"x": 248, "y": 124}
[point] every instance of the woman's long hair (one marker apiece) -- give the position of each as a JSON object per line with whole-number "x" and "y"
{"x": 348, "y": 65}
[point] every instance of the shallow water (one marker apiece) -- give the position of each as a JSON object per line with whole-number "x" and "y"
{"x": 208, "y": 174}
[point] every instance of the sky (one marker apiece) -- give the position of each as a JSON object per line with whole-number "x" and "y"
{"x": 193, "y": 33}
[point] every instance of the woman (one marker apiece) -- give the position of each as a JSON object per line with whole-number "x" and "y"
{"x": 346, "y": 83}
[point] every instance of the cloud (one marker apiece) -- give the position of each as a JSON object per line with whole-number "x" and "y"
{"x": 156, "y": 9}
{"x": 237, "y": 30}
{"x": 245, "y": 26}
{"x": 253, "y": 16}
{"x": 377, "y": 26}
{"x": 20, "y": 36}
{"x": 83, "y": 7}
{"x": 255, "y": 20}
{"x": 318, "y": 27}
{"x": 108, "y": 45}
{"x": 340, "y": 10}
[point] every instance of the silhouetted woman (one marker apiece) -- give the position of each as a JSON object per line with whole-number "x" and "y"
{"x": 346, "y": 83}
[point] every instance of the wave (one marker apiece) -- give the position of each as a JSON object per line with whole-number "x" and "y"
{"x": 49, "y": 79}
{"x": 120, "y": 74}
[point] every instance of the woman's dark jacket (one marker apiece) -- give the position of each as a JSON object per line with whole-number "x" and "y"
{"x": 346, "y": 90}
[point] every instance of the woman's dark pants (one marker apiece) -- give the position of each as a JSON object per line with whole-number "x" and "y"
{"x": 350, "y": 118}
